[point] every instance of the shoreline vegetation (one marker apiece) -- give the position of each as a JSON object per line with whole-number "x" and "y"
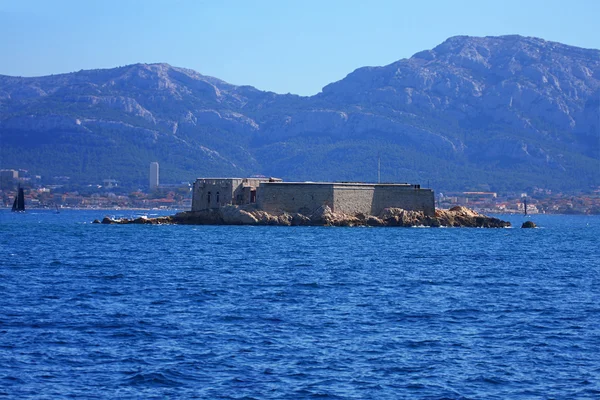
{"x": 393, "y": 217}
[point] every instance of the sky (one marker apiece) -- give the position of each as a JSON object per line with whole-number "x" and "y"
{"x": 284, "y": 46}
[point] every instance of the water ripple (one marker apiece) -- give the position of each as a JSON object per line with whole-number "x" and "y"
{"x": 92, "y": 311}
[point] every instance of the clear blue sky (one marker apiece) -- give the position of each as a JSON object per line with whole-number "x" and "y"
{"x": 283, "y": 46}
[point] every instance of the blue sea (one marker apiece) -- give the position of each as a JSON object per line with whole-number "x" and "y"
{"x": 239, "y": 312}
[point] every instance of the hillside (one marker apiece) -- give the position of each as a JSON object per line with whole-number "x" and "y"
{"x": 500, "y": 113}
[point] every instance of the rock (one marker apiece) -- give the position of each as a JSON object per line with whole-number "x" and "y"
{"x": 284, "y": 219}
{"x": 300, "y": 220}
{"x": 234, "y": 215}
{"x": 108, "y": 220}
{"x": 160, "y": 221}
{"x": 230, "y": 215}
{"x": 264, "y": 218}
{"x": 389, "y": 213}
{"x": 464, "y": 217}
{"x": 529, "y": 224}
{"x": 95, "y": 221}
{"x": 432, "y": 222}
{"x": 346, "y": 220}
{"x": 464, "y": 211}
{"x": 322, "y": 216}
{"x": 208, "y": 217}
{"x": 245, "y": 218}
{"x": 401, "y": 217}
{"x": 374, "y": 221}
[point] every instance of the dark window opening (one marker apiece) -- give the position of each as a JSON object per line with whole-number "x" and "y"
{"x": 217, "y": 197}
{"x": 208, "y": 197}
{"x": 253, "y": 196}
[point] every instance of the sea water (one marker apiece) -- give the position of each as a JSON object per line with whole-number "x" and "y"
{"x": 135, "y": 311}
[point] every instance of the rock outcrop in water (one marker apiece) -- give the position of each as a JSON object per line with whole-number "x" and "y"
{"x": 324, "y": 216}
{"x": 529, "y": 224}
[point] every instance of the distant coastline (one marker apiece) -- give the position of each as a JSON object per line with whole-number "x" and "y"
{"x": 177, "y": 209}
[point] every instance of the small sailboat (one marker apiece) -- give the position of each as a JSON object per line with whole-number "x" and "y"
{"x": 57, "y": 210}
{"x": 525, "y": 205}
{"x": 19, "y": 204}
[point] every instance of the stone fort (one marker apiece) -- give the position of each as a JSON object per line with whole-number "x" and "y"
{"x": 274, "y": 196}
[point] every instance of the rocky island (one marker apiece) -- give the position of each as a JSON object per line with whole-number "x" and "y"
{"x": 270, "y": 201}
{"x": 324, "y": 216}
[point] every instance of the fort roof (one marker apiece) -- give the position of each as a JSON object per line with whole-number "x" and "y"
{"x": 279, "y": 181}
{"x": 339, "y": 183}
{"x": 259, "y": 178}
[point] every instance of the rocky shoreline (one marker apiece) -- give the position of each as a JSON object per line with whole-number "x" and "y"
{"x": 324, "y": 216}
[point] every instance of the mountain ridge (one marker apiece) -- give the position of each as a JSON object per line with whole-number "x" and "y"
{"x": 471, "y": 112}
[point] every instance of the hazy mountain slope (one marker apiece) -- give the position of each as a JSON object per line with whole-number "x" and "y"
{"x": 527, "y": 85}
{"x": 496, "y": 112}
{"x": 114, "y": 122}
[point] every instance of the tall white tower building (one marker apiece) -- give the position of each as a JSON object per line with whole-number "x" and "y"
{"x": 153, "y": 175}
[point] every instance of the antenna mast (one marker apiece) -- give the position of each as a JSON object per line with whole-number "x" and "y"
{"x": 378, "y": 168}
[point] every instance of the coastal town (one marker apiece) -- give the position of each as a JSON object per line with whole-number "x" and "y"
{"x": 109, "y": 194}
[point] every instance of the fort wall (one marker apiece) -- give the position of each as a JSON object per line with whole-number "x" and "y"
{"x": 346, "y": 198}
{"x": 353, "y": 199}
{"x": 274, "y": 196}
{"x": 409, "y": 197}
{"x": 213, "y": 193}
{"x": 218, "y": 192}
{"x": 304, "y": 198}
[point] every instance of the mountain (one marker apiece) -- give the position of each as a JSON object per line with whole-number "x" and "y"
{"x": 492, "y": 113}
